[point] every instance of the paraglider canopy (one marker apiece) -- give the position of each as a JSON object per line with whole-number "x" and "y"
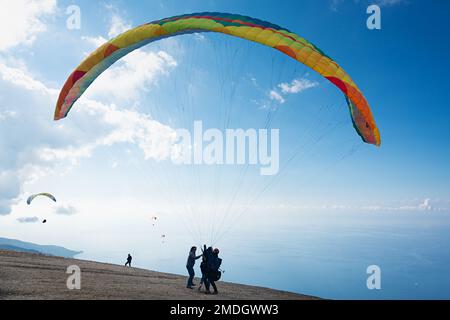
{"x": 240, "y": 26}
{"x": 44, "y": 194}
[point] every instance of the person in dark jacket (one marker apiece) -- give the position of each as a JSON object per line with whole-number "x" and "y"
{"x": 190, "y": 266}
{"x": 204, "y": 270}
{"x": 129, "y": 258}
{"x": 213, "y": 265}
{"x": 207, "y": 254}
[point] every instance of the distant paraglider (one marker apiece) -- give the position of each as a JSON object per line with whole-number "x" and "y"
{"x": 44, "y": 194}
{"x": 154, "y": 219}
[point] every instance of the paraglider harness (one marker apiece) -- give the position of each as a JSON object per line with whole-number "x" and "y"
{"x": 214, "y": 269}
{"x": 217, "y": 275}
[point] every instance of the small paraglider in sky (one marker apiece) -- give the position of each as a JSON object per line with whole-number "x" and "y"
{"x": 154, "y": 219}
{"x": 44, "y": 194}
{"x": 163, "y": 237}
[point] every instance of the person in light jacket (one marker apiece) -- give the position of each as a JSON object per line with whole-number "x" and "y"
{"x": 190, "y": 266}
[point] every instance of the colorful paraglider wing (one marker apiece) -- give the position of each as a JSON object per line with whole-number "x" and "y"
{"x": 235, "y": 25}
{"x": 48, "y": 195}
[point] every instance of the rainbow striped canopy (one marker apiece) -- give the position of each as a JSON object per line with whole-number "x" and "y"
{"x": 232, "y": 24}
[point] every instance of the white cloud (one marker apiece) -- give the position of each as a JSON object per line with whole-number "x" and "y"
{"x": 117, "y": 26}
{"x": 37, "y": 146}
{"x": 254, "y": 82}
{"x": 274, "y": 95}
{"x": 412, "y": 206}
{"x": 294, "y": 87}
{"x": 21, "y": 78}
{"x": 335, "y": 4}
{"x": 387, "y": 3}
{"x": 199, "y": 36}
{"x": 297, "y": 86}
{"x": 71, "y": 153}
{"x": 22, "y": 20}
{"x": 133, "y": 74}
{"x": 95, "y": 41}
{"x": 10, "y": 188}
{"x": 27, "y": 102}
{"x": 33, "y": 146}
{"x": 153, "y": 138}
{"x": 7, "y": 114}
{"x": 121, "y": 83}
{"x": 124, "y": 126}
{"x": 28, "y": 219}
{"x": 67, "y": 210}
{"x": 426, "y": 205}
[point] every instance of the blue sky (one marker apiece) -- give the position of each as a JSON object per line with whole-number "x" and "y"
{"x": 106, "y": 160}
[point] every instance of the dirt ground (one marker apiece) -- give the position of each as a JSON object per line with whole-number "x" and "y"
{"x": 33, "y": 276}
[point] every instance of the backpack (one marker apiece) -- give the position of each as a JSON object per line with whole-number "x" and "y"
{"x": 214, "y": 264}
{"x": 219, "y": 263}
{"x": 215, "y": 272}
{"x": 216, "y": 275}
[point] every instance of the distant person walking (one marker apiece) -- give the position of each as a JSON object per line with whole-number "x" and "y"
{"x": 190, "y": 266}
{"x": 129, "y": 260}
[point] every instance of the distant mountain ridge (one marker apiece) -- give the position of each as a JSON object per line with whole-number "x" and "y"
{"x": 22, "y": 246}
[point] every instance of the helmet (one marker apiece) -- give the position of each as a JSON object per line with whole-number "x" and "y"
{"x": 216, "y": 250}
